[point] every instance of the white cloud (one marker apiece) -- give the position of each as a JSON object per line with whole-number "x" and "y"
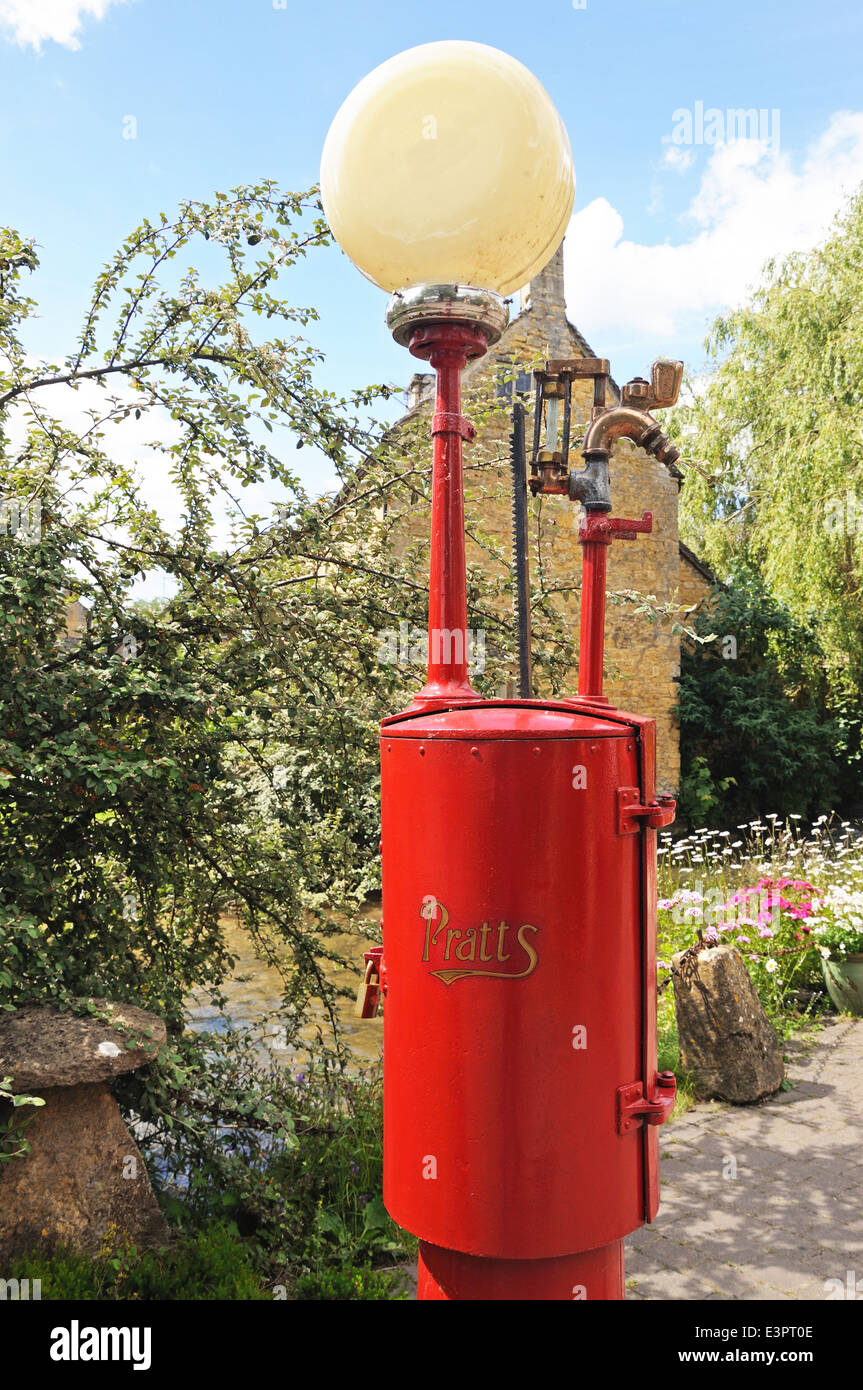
{"x": 753, "y": 203}
{"x": 35, "y": 21}
{"x": 678, "y": 158}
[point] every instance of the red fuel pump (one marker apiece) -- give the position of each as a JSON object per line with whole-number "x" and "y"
{"x": 521, "y": 1092}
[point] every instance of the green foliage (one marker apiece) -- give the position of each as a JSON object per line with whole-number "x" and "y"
{"x": 211, "y": 1264}
{"x": 700, "y": 795}
{"x": 127, "y": 753}
{"x": 13, "y": 1143}
{"x": 754, "y": 727}
{"x": 341, "y": 1284}
{"x": 775, "y": 484}
{"x": 308, "y": 1197}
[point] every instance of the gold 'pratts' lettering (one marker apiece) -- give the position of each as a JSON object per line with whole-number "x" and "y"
{"x": 451, "y": 975}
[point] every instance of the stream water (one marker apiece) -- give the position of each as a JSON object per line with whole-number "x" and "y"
{"x": 254, "y": 990}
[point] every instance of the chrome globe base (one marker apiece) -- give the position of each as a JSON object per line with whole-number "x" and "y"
{"x": 425, "y": 304}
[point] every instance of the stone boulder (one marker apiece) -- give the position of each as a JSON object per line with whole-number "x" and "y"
{"x": 84, "y": 1177}
{"x": 727, "y": 1043}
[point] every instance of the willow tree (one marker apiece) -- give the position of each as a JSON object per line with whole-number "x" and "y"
{"x": 775, "y": 434}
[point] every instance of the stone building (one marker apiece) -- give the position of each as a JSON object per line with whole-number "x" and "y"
{"x": 642, "y": 659}
{"x": 77, "y": 621}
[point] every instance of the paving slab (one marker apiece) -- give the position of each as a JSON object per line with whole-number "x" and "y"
{"x": 764, "y": 1201}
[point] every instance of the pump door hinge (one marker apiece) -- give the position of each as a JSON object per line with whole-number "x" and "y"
{"x": 633, "y": 1106}
{"x": 630, "y": 811}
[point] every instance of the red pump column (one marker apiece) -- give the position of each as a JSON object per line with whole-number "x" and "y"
{"x": 448, "y": 347}
{"x": 595, "y": 534}
{"x": 520, "y": 1086}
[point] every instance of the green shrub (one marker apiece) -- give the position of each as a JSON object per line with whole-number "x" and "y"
{"x": 352, "y": 1283}
{"x": 756, "y": 730}
{"x": 308, "y": 1199}
{"x": 210, "y": 1264}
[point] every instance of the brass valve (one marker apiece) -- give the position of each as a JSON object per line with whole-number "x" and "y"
{"x": 660, "y": 392}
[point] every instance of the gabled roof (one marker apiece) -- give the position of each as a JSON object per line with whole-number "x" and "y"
{"x": 704, "y": 570}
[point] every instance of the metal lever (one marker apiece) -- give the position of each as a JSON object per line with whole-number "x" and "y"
{"x": 602, "y": 529}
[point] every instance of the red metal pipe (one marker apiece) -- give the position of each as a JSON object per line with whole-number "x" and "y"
{"x": 592, "y": 636}
{"x": 448, "y": 347}
{"x": 595, "y": 534}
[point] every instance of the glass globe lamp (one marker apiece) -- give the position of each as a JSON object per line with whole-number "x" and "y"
{"x": 448, "y": 166}
{"x": 447, "y": 178}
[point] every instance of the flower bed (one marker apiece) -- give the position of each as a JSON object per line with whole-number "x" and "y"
{"x": 783, "y": 895}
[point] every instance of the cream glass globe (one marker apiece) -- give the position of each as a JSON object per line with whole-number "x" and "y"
{"x": 448, "y": 164}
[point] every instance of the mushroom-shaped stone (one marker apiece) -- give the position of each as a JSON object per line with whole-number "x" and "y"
{"x": 84, "y": 1177}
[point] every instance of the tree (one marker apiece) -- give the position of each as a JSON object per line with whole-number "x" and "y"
{"x": 133, "y": 759}
{"x": 217, "y": 751}
{"x": 777, "y": 489}
{"x": 754, "y": 736}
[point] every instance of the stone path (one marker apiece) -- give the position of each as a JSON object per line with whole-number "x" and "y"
{"x": 766, "y": 1201}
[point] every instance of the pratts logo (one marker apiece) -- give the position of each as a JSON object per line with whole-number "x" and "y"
{"x": 480, "y": 948}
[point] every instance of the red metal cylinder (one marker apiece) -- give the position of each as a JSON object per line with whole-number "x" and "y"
{"x": 516, "y": 942}
{"x": 589, "y": 1275}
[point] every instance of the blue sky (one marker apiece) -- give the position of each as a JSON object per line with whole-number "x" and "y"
{"x": 229, "y": 91}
